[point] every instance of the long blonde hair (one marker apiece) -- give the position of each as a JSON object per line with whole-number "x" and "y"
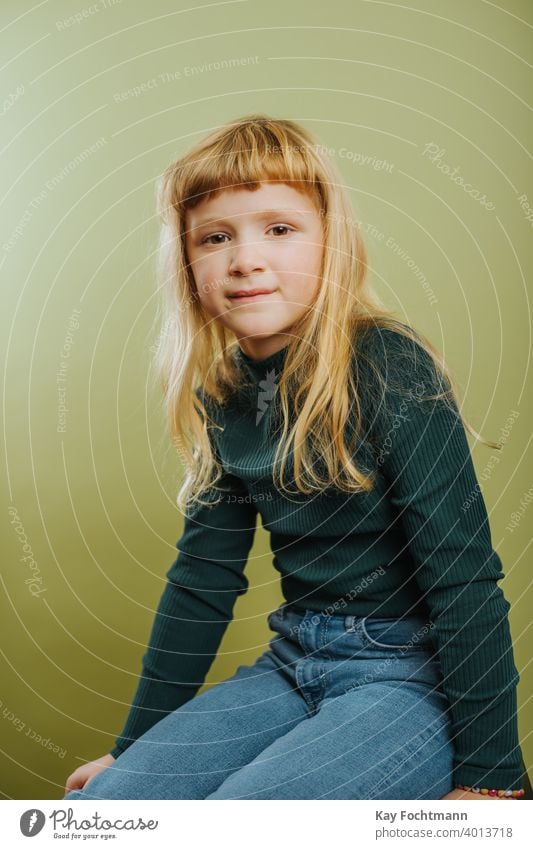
{"x": 196, "y": 352}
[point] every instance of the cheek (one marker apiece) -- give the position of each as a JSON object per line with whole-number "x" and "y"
{"x": 209, "y": 295}
{"x": 309, "y": 266}
{"x": 312, "y": 268}
{"x": 208, "y": 272}
{"x": 310, "y": 254}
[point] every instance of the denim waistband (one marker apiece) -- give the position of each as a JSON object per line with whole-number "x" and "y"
{"x": 348, "y": 620}
{"x": 315, "y": 630}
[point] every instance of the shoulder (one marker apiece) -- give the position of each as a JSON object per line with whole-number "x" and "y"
{"x": 395, "y": 355}
{"x": 397, "y": 378}
{"x": 207, "y": 401}
{"x": 389, "y": 342}
{"x": 209, "y": 407}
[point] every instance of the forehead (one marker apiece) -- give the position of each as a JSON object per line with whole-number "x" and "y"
{"x": 241, "y": 201}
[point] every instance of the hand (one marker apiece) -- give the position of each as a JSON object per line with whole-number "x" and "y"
{"x": 79, "y": 779}
{"x": 457, "y": 793}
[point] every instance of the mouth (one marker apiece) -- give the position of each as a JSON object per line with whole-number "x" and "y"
{"x": 251, "y": 295}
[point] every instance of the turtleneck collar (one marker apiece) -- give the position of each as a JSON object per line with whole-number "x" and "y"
{"x": 273, "y": 361}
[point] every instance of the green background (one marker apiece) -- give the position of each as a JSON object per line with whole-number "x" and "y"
{"x": 81, "y": 151}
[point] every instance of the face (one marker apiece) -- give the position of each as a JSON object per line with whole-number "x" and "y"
{"x": 268, "y": 240}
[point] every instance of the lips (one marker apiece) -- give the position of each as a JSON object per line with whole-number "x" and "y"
{"x": 250, "y": 293}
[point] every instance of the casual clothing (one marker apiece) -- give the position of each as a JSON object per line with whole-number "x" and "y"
{"x": 418, "y": 545}
{"x": 338, "y": 707}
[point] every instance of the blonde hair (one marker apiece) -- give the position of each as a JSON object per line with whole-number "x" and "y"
{"x": 195, "y": 349}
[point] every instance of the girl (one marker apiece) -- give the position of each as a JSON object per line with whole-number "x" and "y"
{"x": 390, "y": 674}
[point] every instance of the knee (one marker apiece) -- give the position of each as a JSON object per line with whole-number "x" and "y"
{"x": 79, "y": 795}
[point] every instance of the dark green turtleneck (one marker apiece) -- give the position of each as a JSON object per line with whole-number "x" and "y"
{"x": 418, "y": 543}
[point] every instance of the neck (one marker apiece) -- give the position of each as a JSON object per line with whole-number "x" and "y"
{"x": 261, "y": 349}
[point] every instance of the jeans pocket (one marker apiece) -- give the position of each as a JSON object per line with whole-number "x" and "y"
{"x": 396, "y": 634}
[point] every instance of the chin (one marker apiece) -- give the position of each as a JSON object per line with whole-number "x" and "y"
{"x": 257, "y": 331}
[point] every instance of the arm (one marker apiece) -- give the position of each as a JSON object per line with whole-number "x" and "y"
{"x": 431, "y": 477}
{"x": 195, "y": 608}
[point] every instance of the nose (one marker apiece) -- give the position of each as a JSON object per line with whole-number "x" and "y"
{"x": 245, "y": 258}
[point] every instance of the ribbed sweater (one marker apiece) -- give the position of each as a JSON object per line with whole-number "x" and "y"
{"x": 419, "y": 542}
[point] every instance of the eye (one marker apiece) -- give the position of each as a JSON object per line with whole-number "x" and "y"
{"x": 280, "y": 227}
{"x": 218, "y": 238}
{"x": 206, "y": 239}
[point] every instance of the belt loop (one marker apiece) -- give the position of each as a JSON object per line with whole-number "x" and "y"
{"x": 349, "y": 622}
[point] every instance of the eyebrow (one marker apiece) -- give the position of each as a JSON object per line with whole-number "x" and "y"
{"x": 263, "y": 213}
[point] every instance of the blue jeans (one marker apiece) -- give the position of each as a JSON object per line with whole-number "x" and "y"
{"x": 338, "y": 707}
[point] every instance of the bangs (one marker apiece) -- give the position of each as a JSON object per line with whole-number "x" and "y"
{"x": 243, "y": 156}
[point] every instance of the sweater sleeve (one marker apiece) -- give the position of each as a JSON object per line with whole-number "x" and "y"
{"x": 424, "y": 455}
{"x": 195, "y": 608}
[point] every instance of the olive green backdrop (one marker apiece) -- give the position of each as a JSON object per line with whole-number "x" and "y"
{"x": 426, "y": 107}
